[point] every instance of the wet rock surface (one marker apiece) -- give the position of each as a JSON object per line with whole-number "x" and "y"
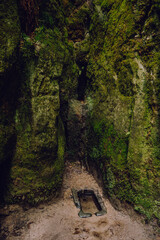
{"x": 59, "y": 220}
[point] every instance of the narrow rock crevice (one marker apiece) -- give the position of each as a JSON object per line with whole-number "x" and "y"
{"x": 82, "y": 83}
{"x": 76, "y": 128}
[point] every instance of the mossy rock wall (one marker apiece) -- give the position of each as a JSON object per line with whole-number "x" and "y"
{"x": 124, "y": 120}
{"x": 46, "y": 63}
{"x": 9, "y": 80}
{"x": 9, "y": 33}
{"x": 9, "y": 40}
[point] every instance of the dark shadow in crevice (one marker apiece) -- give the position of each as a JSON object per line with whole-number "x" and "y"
{"x": 9, "y": 93}
{"x": 28, "y": 15}
{"x": 5, "y": 167}
{"x": 82, "y": 82}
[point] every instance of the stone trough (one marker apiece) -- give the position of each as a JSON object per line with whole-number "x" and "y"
{"x": 89, "y": 202}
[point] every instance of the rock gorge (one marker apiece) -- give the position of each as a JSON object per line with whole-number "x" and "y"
{"x": 59, "y": 57}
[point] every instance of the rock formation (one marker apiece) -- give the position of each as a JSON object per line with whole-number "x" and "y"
{"x": 104, "y": 53}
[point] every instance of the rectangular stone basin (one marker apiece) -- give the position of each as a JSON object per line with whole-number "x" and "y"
{"x": 89, "y": 202}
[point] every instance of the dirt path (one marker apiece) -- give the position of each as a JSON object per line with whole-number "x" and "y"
{"x": 59, "y": 220}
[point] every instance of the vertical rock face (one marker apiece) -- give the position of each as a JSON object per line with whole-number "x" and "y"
{"x": 10, "y": 33}
{"x": 123, "y": 70}
{"x": 45, "y": 61}
{"x": 9, "y": 41}
{"x": 34, "y": 166}
{"x": 37, "y": 167}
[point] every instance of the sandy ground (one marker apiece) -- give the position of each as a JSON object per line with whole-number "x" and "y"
{"x": 59, "y": 219}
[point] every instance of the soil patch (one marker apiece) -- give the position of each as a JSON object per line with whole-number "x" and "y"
{"x": 59, "y": 220}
